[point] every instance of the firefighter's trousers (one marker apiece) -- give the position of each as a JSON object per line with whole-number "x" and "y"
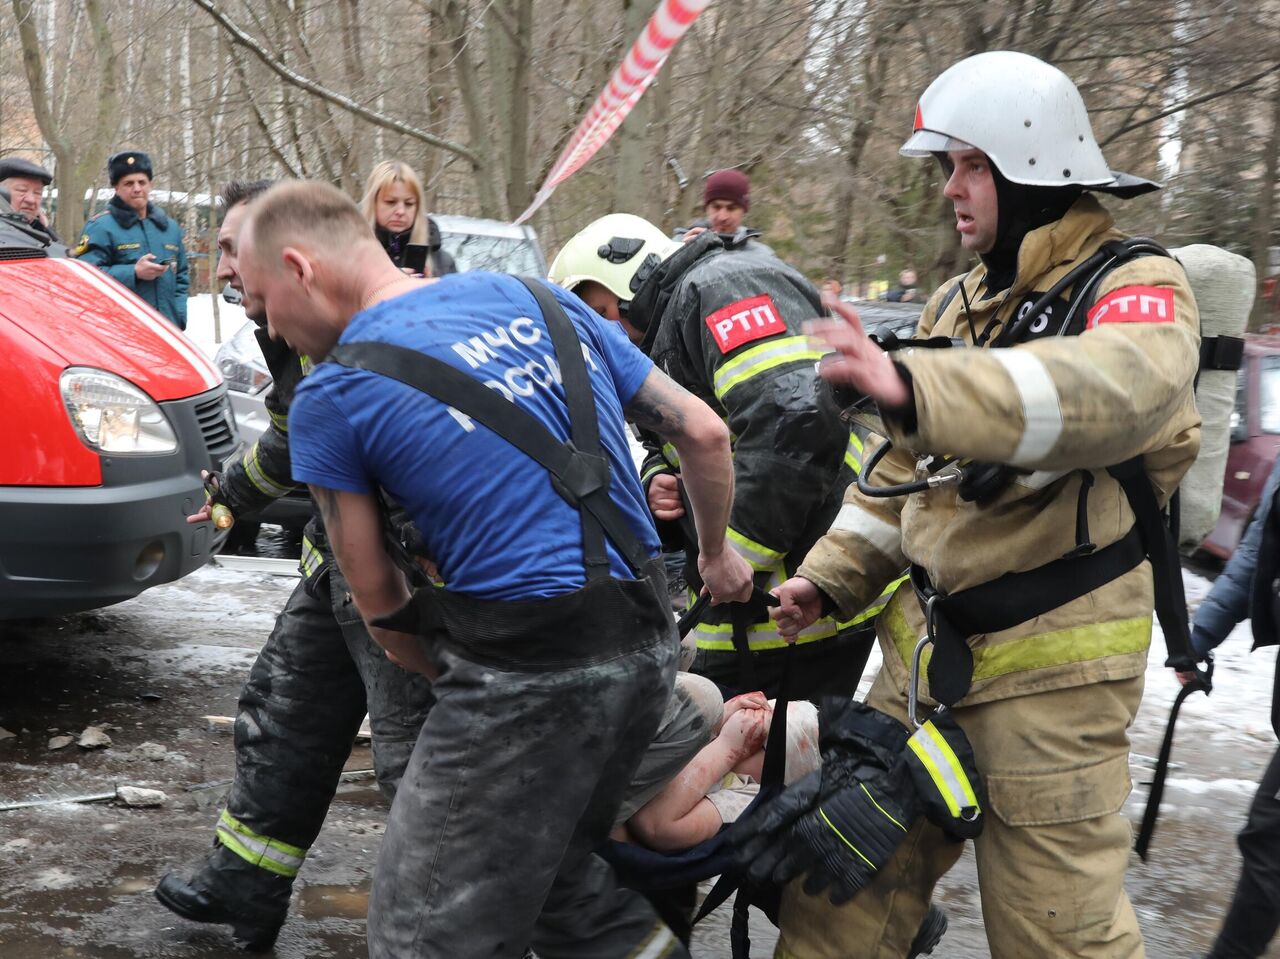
{"x": 1051, "y": 857}
{"x": 299, "y": 712}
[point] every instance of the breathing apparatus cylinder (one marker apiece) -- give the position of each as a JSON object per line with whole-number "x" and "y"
{"x": 1223, "y": 284}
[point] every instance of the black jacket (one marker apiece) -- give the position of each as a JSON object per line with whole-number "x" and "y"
{"x": 396, "y": 245}
{"x": 726, "y": 324}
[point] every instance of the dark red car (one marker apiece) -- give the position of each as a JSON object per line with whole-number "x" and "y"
{"x": 1255, "y": 440}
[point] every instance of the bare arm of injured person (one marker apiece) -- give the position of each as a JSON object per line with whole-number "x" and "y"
{"x": 681, "y": 815}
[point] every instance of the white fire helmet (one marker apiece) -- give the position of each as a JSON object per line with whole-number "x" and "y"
{"x": 618, "y": 251}
{"x": 1025, "y": 115}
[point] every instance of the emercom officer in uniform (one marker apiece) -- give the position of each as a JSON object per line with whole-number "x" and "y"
{"x": 136, "y": 243}
{"x": 551, "y": 646}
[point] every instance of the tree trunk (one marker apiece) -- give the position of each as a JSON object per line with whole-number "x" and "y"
{"x": 464, "y": 72}
{"x": 1263, "y": 220}
{"x": 630, "y": 192}
{"x": 77, "y": 159}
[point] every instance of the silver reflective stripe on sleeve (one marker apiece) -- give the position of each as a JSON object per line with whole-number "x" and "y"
{"x": 884, "y": 537}
{"x": 1040, "y": 408}
{"x": 1040, "y": 478}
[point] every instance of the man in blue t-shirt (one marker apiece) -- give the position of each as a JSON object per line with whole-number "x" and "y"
{"x": 551, "y": 643}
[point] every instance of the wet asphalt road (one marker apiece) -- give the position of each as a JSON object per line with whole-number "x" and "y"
{"x": 76, "y": 879}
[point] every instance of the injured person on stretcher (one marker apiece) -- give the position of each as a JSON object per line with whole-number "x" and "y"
{"x": 718, "y": 783}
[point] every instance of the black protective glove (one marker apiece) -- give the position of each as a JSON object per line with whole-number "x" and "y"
{"x": 841, "y": 823}
{"x": 852, "y": 833}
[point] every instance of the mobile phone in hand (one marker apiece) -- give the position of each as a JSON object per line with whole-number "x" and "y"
{"x": 415, "y": 257}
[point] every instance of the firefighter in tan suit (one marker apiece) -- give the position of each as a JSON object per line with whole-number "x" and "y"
{"x": 1072, "y": 392}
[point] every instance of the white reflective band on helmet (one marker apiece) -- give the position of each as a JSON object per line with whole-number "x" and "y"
{"x": 925, "y": 143}
{"x": 1040, "y": 408}
{"x": 933, "y": 750}
{"x": 885, "y": 538}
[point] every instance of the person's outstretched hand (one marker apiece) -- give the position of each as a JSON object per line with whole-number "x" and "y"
{"x": 859, "y": 362}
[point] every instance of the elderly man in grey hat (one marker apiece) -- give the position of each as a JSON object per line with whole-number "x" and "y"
{"x": 24, "y": 183}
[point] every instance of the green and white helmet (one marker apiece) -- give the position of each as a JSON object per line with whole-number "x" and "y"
{"x": 618, "y": 251}
{"x": 1025, "y": 115}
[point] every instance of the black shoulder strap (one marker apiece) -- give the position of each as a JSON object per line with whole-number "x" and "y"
{"x": 947, "y": 298}
{"x": 579, "y": 397}
{"x": 772, "y": 779}
{"x": 581, "y": 478}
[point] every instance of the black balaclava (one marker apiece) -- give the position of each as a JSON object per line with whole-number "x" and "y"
{"x": 1019, "y": 210}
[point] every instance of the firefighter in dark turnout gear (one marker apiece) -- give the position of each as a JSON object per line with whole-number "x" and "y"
{"x": 306, "y": 694}
{"x": 728, "y": 329}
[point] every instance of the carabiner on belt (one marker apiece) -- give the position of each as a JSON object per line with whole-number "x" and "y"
{"x": 930, "y": 634}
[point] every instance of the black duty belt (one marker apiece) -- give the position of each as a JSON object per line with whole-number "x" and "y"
{"x": 603, "y": 619}
{"x": 951, "y": 618}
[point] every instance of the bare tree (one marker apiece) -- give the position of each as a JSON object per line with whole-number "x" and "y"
{"x": 79, "y": 152}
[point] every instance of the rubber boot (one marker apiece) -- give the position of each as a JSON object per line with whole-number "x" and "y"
{"x": 932, "y": 929}
{"x": 228, "y": 890}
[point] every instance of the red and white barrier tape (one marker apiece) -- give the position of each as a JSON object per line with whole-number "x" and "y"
{"x": 629, "y": 82}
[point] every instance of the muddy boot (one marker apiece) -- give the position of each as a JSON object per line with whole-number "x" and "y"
{"x": 932, "y": 929}
{"x": 230, "y": 891}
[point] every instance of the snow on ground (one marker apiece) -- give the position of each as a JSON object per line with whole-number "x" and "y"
{"x": 1239, "y": 707}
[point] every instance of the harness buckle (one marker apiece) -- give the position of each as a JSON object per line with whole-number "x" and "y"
{"x": 930, "y": 634}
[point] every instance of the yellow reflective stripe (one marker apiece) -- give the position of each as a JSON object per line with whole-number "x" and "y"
{"x": 311, "y": 560}
{"x": 822, "y": 812}
{"x": 258, "y": 476}
{"x": 270, "y": 854}
{"x": 760, "y": 359}
{"x": 306, "y": 364}
{"x": 877, "y": 605}
{"x": 761, "y": 557}
{"x": 279, "y": 420}
{"x": 1079, "y": 644}
{"x": 932, "y": 748}
{"x": 884, "y": 812}
{"x": 719, "y": 636}
{"x": 669, "y": 453}
{"x": 853, "y": 453}
{"x": 661, "y": 942}
{"x": 654, "y": 470}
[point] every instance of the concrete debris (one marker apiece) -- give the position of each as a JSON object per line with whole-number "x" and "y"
{"x": 61, "y": 742}
{"x": 220, "y": 724}
{"x": 93, "y": 738}
{"x": 137, "y": 796}
{"x": 152, "y": 751}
